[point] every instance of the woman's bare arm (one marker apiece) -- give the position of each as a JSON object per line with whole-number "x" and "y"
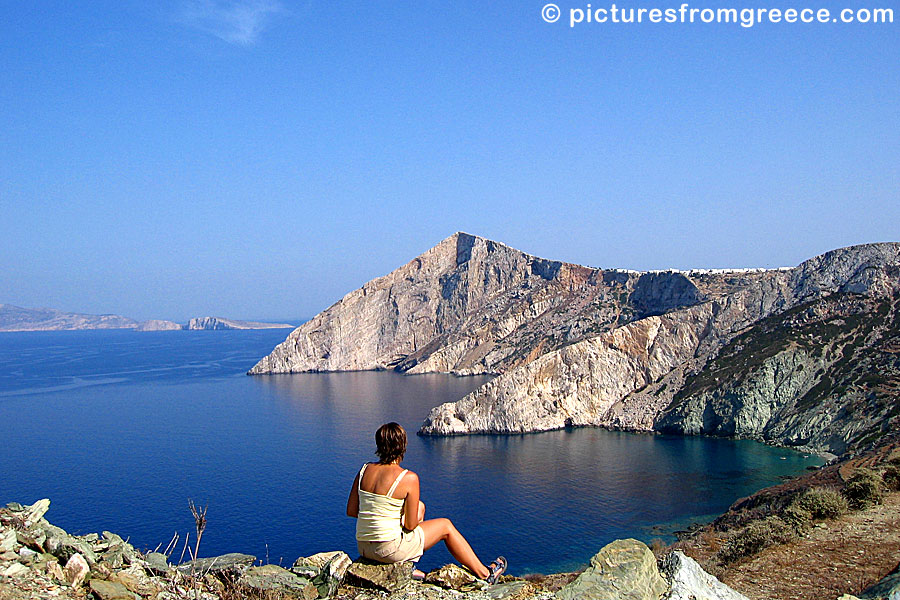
{"x": 353, "y": 499}
{"x": 411, "y": 501}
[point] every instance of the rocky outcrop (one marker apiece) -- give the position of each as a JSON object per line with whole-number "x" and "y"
{"x": 622, "y": 570}
{"x": 34, "y": 568}
{"x": 158, "y": 325}
{"x": 216, "y": 323}
{"x": 688, "y": 581}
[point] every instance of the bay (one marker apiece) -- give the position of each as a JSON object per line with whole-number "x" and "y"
{"x": 120, "y": 429}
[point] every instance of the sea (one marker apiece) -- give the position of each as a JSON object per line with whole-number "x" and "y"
{"x": 122, "y": 429}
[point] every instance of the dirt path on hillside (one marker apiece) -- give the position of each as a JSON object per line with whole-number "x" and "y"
{"x": 837, "y": 557}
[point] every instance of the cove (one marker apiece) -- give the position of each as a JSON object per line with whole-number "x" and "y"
{"x": 119, "y": 429}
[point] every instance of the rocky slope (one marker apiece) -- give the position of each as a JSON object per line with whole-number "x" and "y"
{"x": 575, "y": 345}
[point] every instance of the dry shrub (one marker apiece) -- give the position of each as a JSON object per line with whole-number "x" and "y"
{"x": 797, "y": 517}
{"x": 891, "y": 478}
{"x": 755, "y": 537}
{"x": 822, "y": 503}
{"x": 864, "y": 489}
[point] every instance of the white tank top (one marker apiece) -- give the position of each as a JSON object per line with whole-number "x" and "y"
{"x": 379, "y": 515}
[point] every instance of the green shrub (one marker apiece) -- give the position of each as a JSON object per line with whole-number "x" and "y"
{"x": 822, "y": 503}
{"x": 797, "y": 517}
{"x": 891, "y": 478}
{"x": 864, "y": 489}
{"x": 755, "y": 537}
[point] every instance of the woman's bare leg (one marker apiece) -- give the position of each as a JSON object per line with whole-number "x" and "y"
{"x": 442, "y": 529}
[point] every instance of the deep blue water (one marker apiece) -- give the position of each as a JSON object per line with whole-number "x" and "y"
{"x": 119, "y": 429}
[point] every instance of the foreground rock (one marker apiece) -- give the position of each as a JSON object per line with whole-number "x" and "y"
{"x": 688, "y": 581}
{"x": 622, "y": 570}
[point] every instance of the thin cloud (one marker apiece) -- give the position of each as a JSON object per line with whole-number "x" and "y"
{"x": 234, "y": 21}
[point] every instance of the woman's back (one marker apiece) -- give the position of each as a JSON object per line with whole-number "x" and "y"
{"x": 380, "y": 513}
{"x": 377, "y": 478}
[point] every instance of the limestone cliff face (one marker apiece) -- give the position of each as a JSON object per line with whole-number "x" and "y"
{"x": 467, "y": 306}
{"x": 629, "y": 377}
{"x": 823, "y": 376}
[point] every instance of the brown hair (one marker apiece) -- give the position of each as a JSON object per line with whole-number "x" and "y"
{"x": 390, "y": 443}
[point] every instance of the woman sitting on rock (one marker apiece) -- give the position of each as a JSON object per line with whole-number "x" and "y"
{"x": 390, "y": 525}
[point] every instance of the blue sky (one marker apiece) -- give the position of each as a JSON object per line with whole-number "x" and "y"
{"x": 259, "y": 159}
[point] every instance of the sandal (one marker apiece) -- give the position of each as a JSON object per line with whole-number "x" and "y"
{"x": 497, "y": 568}
{"x": 418, "y": 575}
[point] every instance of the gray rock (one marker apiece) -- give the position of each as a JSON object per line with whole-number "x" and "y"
{"x": 688, "y": 581}
{"x": 114, "y": 557}
{"x": 886, "y": 589}
{"x": 136, "y": 580}
{"x": 15, "y": 507}
{"x": 76, "y": 570}
{"x": 332, "y": 572}
{"x": 35, "y": 538}
{"x": 36, "y": 511}
{"x": 8, "y": 540}
{"x": 27, "y": 555}
{"x": 66, "y": 547}
{"x": 276, "y": 579}
{"x": 110, "y": 590}
{"x": 512, "y": 590}
{"x": 387, "y": 577}
{"x": 622, "y": 570}
{"x": 452, "y": 577}
{"x": 157, "y": 563}
{"x": 15, "y": 570}
{"x": 234, "y": 562}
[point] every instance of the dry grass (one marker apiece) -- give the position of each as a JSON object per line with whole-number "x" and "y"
{"x": 837, "y": 557}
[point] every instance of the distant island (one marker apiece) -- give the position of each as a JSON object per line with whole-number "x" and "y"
{"x": 16, "y": 318}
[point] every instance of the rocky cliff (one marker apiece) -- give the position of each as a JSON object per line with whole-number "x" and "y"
{"x": 575, "y": 345}
{"x": 742, "y": 364}
{"x": 473, "y": 306}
